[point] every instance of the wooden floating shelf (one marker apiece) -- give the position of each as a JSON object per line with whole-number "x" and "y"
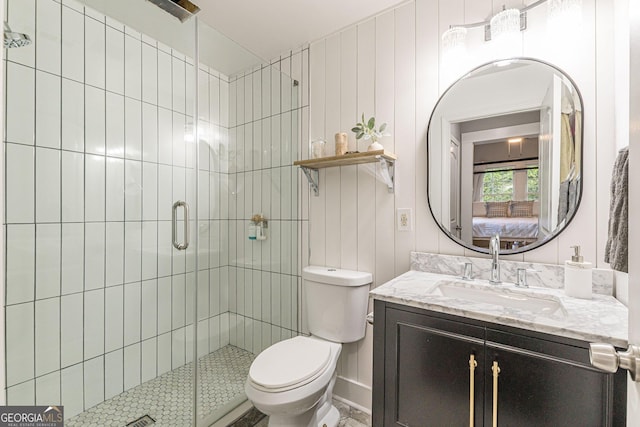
{"x": 346, "y": 159}
{"x": 385, "y": 159}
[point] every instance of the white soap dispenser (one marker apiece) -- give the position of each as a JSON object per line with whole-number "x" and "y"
{"x": 578, "y": 282}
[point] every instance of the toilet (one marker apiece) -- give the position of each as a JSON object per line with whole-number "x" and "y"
{"x": 292, "y": 381}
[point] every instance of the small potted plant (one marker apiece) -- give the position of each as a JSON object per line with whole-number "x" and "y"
{"x": 368, "y": 131}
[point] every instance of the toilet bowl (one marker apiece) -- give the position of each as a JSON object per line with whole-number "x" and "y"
{"x": 291, "y": 378}
{"x": 292, "y": 381}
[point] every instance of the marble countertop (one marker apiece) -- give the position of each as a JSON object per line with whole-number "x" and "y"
{"x": 601, "y": 319}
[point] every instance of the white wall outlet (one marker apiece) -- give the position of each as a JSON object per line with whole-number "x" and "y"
{"x": 405, "y": 220}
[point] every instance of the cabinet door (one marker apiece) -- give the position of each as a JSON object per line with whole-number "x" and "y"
{"x": 536, "y": 389}
{"x": 427, "y": 372}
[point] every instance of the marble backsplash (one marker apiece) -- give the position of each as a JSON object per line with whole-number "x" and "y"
{"x": 541, "y": 275}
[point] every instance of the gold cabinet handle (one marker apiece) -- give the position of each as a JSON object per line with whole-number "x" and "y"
{"x": 472, "y": 368}
{"x": 496, "y": 370}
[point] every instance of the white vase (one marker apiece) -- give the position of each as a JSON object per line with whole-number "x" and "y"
{"x": 375, "y": 146}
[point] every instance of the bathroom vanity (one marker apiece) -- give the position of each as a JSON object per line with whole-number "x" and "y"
{"x": 487, "y": 354}
{"x": 481, "y": 351}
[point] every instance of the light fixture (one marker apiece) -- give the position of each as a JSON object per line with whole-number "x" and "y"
{"x": 453, "y": 40}
{"x": 454, "y": 49}
{"x": 564, "y": 21}
{"x": 505, "y": 24}
{"x": 564, "y": 17}
{"x": 512, "y": 141}
{"x": 505, "y": 33}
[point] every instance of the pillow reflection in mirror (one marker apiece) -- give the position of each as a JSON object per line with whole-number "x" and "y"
{"x": 497, "y": 209}
{"x": 479, "y": 209}
{"x": 521, "y": 209}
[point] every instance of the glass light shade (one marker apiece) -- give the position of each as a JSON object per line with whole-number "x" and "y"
{"x": 454, "y": 51}
{"x": 564, "y": 17}
{"x": 505, "y": 24}
{"x": 505, "y": 34}
{"x": 453, "y": 40}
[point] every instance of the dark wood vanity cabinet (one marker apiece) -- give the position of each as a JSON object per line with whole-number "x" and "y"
{"x": 432, "y": 369}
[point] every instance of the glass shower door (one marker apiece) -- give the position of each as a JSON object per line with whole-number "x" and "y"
{"x": 108, "y": 176}
{"x": 99, "y": 145}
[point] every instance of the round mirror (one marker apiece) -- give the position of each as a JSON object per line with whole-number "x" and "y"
{"x": 505, "y": 155}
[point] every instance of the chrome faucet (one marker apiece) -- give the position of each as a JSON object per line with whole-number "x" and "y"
{"x": 494, "y": 250}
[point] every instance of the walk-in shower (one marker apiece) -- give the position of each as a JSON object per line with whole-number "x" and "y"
{"x": 111, "y": 117}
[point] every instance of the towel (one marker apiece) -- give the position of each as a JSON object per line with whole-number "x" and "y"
{"x": 617, "y": 250}
{"x": 563, "y": 200}
{"x": 568, "y": 198}
{"x": 574, "y": 188}
{"x": 567, "y": 147}
{"x": 577, "y": 140}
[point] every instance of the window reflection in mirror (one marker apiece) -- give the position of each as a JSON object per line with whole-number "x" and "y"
{"x": 513, "y": 163}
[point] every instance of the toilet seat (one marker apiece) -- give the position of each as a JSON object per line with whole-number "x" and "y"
{"x": 290, "y": 364}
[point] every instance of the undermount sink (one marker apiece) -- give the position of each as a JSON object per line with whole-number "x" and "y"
{"x": 489, "y": 294}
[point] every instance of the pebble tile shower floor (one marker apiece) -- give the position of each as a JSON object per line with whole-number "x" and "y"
{"x": 167, "y": 398}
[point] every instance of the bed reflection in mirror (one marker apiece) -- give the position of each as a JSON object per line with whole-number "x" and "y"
{"x": 505, "y": 146}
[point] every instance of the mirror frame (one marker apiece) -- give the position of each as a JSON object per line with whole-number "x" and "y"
{"x": 557, "y": 231}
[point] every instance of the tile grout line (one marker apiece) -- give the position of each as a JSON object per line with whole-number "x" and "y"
{"x": 35, "y": 189}
{"x": 157, "y": 198}
{"x": 106, "y": 188}
{"x": 61, "y": 183}
{"x": 124, "y": 213}
{"x": 142, "y": 213}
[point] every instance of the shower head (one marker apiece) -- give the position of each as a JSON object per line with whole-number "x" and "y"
{"x": 181, "y": 9}
{"x": 12, "y": 39}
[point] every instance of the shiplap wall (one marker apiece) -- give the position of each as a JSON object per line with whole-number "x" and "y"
{"x": 389, "y": 66}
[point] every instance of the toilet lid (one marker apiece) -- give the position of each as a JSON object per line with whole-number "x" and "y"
{"x": 290, "y": 362}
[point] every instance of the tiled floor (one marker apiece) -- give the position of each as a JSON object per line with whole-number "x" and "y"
{"x": 167, "y": 398}
{"x": 349, "y": 417}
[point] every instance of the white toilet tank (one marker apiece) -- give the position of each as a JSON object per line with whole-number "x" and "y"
{"x": 336, "y": 302}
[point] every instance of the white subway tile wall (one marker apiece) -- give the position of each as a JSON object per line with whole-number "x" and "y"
{"x": 99, "y": 144}
{"x": 265, "y": 137}
{"x": 95, "y": 160}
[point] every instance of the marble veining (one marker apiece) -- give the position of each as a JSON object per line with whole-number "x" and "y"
{"x": 601, "y": 319}
{"x": 538, "y": 275}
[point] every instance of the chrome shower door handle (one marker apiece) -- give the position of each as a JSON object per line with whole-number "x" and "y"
{"x": 174, "y": 225}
